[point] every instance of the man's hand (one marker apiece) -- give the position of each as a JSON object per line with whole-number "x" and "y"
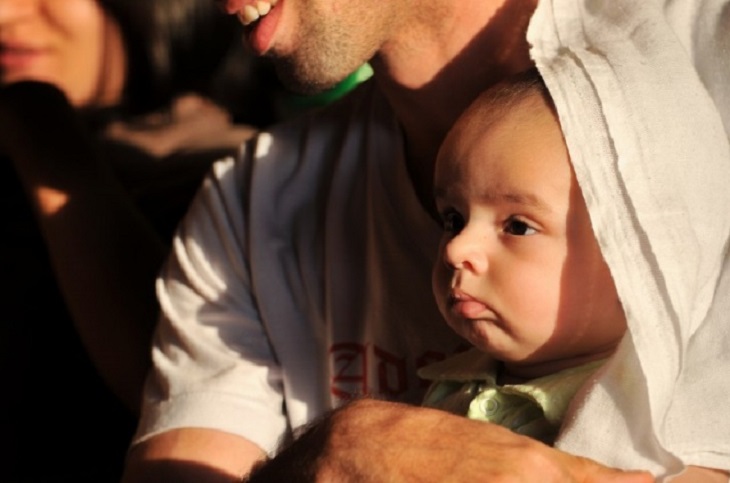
{"x": 372, "y": 441}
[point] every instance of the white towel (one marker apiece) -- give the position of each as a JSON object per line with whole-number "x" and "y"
{"x": 642, "y": 88}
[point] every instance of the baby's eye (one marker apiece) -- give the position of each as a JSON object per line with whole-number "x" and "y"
{"x": 515, "y": 226}
{"x": 452, "y": 222}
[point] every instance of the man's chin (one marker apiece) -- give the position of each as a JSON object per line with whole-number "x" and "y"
{"x": 304, "y": 83}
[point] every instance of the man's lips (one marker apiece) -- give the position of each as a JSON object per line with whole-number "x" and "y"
{"x": 251, "y": 13}
{"x": 248, "y": 11}
{"x": 261, "y": 24}
{"x": 232, "y": 6}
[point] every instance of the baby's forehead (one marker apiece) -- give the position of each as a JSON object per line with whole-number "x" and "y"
{"x": 486, "y": 117}
{"x": 518, "y": 140}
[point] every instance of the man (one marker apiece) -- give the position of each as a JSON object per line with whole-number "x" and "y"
{"x": 300, "y": 278}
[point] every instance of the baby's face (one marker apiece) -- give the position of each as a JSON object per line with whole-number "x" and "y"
{"x": 520, "y": 274}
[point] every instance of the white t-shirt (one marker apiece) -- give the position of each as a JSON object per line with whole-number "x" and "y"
{"x": 299, "y": 278}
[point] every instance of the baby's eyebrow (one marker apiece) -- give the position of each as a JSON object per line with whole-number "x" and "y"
{"x": 522, "y": 198}
{"x": 518, "y": 198}
{"x": 514, "y": 198}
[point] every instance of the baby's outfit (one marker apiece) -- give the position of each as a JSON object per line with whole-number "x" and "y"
{"x": 466, "y": 384}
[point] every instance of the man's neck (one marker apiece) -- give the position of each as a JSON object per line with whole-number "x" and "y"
{"x": 449, "y": 53}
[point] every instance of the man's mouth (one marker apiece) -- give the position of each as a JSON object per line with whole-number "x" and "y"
{"x": 251, "y": 13}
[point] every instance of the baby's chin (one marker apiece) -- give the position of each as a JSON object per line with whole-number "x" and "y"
{"x": 488, "y": 337}
{"x": 522, "y": 361}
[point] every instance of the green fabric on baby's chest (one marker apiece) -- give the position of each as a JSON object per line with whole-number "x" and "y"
{"x": 514, "y": 411}
{"x": 535, "y": 408}
{"x": 490, "y": 403}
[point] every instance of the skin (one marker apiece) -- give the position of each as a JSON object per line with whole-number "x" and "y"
{"x": 43, "y": 40}
{"x": 319, "y": 42}
{"x": 520, "y": 274}
{"x": 430, "y": 60}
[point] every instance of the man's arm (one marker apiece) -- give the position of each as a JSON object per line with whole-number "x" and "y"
{"x": 191, "y": 455}
{"x": 371, "y": 441}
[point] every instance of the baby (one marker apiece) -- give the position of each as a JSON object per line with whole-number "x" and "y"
{"x": 520, "y": 274}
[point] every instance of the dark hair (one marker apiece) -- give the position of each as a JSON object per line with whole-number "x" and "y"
{"x": 173, "y": 47}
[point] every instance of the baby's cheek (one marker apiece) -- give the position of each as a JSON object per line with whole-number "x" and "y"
{"x": 541, "y": 301}
{"x": 440, "y": 284}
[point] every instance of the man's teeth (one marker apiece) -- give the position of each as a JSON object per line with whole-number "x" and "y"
{"x": 251, "y": 13}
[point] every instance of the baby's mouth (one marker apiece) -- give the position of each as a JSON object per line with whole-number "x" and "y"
{"x": 251, "y": 13}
